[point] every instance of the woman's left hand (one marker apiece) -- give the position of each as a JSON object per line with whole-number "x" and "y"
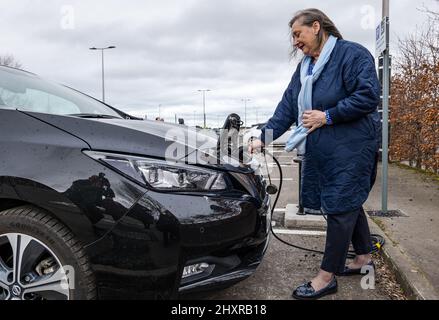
{"x": 313, "y": 119}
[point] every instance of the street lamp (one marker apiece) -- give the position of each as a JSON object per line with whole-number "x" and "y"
{"x": 245, "y": 110}
{"x": 103, "y": 81}
{"x": 204, "y": 104}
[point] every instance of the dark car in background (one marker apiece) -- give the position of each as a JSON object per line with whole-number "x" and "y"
{"x": 91, "y": 208}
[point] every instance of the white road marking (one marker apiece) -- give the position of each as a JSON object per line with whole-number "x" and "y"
{"x": 300, "y": 232}
{"x": 280, "y": 210}
{"x": 283, "y": 165}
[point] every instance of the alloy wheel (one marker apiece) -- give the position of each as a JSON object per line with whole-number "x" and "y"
{"x": 29, "y": 270}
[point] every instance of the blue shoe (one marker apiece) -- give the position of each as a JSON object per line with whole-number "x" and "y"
{"x": 307, "y": 292}
{"x": 352, "y": 272}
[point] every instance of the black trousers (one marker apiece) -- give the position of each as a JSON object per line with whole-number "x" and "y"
{"x": 342, "y": 230}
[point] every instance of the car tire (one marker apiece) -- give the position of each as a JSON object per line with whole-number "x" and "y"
{"x": 39, "y": 231}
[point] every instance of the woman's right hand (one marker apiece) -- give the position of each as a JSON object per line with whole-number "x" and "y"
{"x": 255, "y": 146}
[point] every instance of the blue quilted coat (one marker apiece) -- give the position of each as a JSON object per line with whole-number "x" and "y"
{"x": 339, "y": 166}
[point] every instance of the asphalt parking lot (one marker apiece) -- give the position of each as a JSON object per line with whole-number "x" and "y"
{"x": 284, "y": 267}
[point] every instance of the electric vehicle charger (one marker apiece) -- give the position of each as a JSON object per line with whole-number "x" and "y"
{"x": 228, "y": 143}
{"x": 377, "y": 240}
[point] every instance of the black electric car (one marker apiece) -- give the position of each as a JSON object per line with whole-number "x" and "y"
{"x": 94, "y": 204}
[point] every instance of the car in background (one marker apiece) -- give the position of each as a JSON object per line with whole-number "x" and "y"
{"x": 91, "y": 207}
{"x": 254, "y": 132}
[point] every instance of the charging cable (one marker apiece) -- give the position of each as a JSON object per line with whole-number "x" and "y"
{"x": 377, "y": 240}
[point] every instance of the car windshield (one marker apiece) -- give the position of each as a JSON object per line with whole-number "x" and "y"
{"x": 27, "y": 92}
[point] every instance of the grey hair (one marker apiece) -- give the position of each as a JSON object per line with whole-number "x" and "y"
{"x": 308, "y": 17}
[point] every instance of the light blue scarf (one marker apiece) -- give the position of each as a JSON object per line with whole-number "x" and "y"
{"x": 298, "y": 138}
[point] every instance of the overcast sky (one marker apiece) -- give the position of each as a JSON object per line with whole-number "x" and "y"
{"x": 169, "y": 49}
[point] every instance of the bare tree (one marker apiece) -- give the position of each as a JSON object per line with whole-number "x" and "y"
{"x": 431, "y": 13}
{"x": 415, "y": 98}
{"x": 9, "y": 61}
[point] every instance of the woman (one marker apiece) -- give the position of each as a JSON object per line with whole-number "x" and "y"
{"x": 332, "y": 98}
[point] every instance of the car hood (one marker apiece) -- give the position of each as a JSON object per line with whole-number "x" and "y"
{"x": 137, "y": 137}
{"x": 150, "y": 138}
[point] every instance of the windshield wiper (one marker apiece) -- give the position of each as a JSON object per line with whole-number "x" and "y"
{"x": 94, "y": 116}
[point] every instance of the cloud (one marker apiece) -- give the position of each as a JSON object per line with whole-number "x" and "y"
{"x": 168, "y": 49}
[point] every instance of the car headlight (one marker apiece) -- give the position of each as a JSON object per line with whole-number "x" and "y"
{"x": 162, "y": 175}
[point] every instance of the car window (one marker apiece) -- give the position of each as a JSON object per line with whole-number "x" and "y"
{"x": 19, "y": 90}
{"x": 37, "y": 101}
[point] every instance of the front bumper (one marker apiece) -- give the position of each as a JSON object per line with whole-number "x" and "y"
{"x": 145, "y": 254}
{"x": 226, "y": 270}
{"x": 233, "y": 262}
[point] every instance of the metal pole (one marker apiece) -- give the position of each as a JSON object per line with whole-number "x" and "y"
{"x": 103, "y": 77}
{"x": 204, "y": 104}
{"x": 204, "y": 108}
{"x": 245, "y": 110}
{"x": 245, "y": 113}
{"x": 386, "y": 8}
{"x": 103, "y": 68}
{"x": 386, "y": 89}
{"x": 299, "y": 160}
